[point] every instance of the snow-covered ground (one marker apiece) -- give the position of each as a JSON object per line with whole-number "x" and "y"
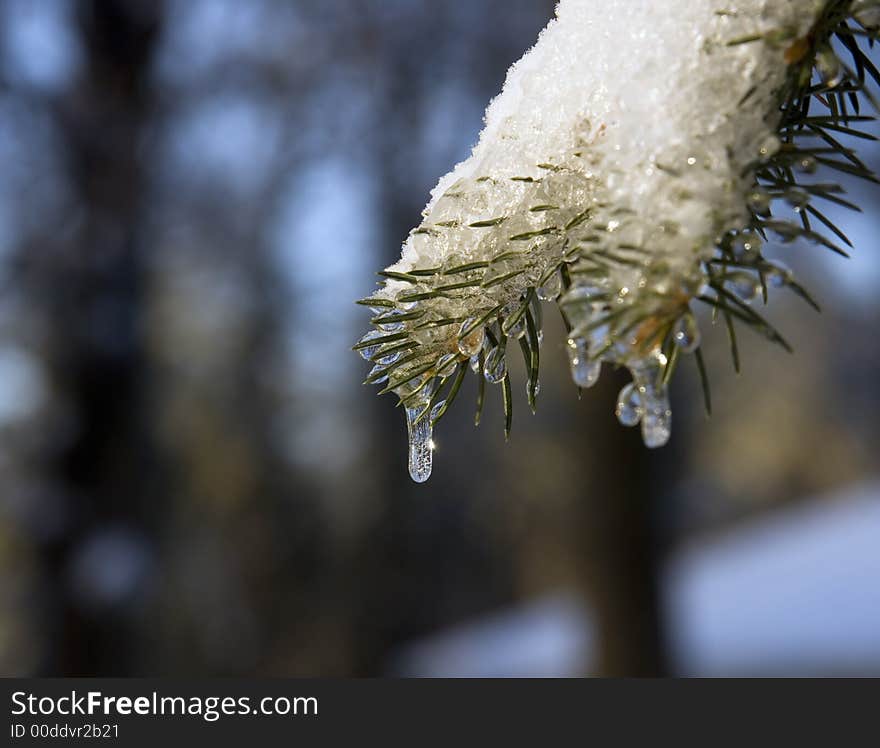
{"x": 794, "y": 593}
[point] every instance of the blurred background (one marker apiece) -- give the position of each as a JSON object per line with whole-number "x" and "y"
{"x": 193, "y": 480}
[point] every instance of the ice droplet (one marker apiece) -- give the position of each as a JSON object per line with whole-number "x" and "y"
{"x": 867, "y": 14}
{"x": 777, "y": 274}
{"x": 769, "y": 147}
{"x": 446, "y": 364}
{"x": 828, "y": 66}
{"x": 475, "y": 364}
{"x": 388, "y": 358}
{"x": 759, "y": 201}
{"x": 391, "y": 324}
{"x": 654, "y": 401}
{"x": 656, "y": 426}
{"x": 513, "y": 330}
{"x": 495, "y": 367}
{"x": 529, "y": 388}
{"x": 421, "y": 444}
{"x": 686, "y": 332}
{"x": 797, "y": 198}
{"x": 470, "y": 340}
{"x": 377, "y": 369}
{"x": 629, "y": 406}
{"x": 584, "y": 371}
{"x": 551, "y": 289}
{"x": 745, "y": 245}
{"x": 745, "y": 285}
{"x": 369, "y": 351}
{"x": 806, "y": 165}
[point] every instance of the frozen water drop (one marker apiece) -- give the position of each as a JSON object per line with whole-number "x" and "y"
{"x": 495, "y": 368}
{"x": 654, "y": 401}
{"x": 867, "y": 13}
{"x": 786, "y": 232}
{"x": 686, "y": 332}
{"x": 745, "y": 245}
{"x": 777, "y": 274}
{"x": 537, "y": 388}
{"x": 583, "y": 294}
{"x": 769, "y": 147}
{"x": 584, "y": 371}
{"x": 470, "y": 340}
{"x": 388, "y": 358}
{"x": 629, "y": 405}
{"x": 828, "y": 66}
{"x": 552, "y": 288}
{"x": 656, "y": 427}
{"x": 475, "y": 364}
{"x": 806, "y": 165}
{"x": 375, "y": 371}
{"x": 389, "y": 323}
{"x": 745, "y": 285}
{"x": 369, "y": 351}
{"x": 446, "y": 364}
{"x": 421, "y": 446}
{"x": 759, "y": 201}
{"x": 514, "y": 329}
{"x": 797, "y": 198}
{"x": 437, "y": 410}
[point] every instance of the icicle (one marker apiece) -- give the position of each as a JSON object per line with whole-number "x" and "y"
{"x": 629, "y": 406}
{"x": 654, "y": 401}
{"x": 584, "y": 371}
{"x": 421, "y": 442}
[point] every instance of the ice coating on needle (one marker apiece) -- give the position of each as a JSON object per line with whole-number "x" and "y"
{"x": 620, "y": 150}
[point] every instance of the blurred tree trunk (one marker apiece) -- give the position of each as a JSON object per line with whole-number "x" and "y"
{"x": 621, "y": 541}
{"x": 94, "y": 286}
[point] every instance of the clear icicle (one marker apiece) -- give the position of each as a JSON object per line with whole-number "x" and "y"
{"x": 654, "y": 400}
{"x": 584, "y": 371}
{"x": 629, "y": 405}
{"x": 421, "y": 443}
